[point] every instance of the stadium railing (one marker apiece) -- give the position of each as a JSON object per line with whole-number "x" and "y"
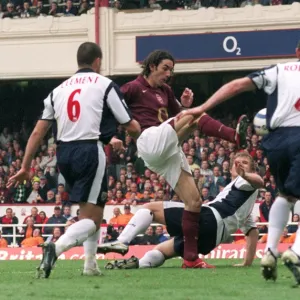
{"x": 15, "y": 235}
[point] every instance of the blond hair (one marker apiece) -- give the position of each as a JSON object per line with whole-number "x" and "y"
{"x": 244, "y": 155}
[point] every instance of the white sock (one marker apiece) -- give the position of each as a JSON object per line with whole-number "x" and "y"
{"x": 138, "y": 224}
{"x": 278, "y": 218}
{"x": 296, "y": 246}
{"x": 76, "y": 234}
{"x": 152, "y": 259}
{"x": 90, "y": 250}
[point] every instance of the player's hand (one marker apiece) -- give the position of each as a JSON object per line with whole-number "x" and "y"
{"x": 196, "y": 112}
{"x": 240, "y": 169}
{"x": 187, "y": 97}
{"x": 241, "y": 265}
{"x": 117, "y": 144}
{"x": 18, "y": 178}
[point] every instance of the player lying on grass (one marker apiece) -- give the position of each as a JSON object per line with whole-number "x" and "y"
{"x": 231, "y": 210}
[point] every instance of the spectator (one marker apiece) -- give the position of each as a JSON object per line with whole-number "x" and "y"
{"x": 205, "y": 171}
{"x": 34, "y": 216}
{"x": 70, "y": 10}
{"x": 160, "y": 195}
{"x": 133, "y": 189}
{"x": 149, "y": 237}
{"x": 215, "y": 182}
{"x": 49, "y": 161}
{"x": 119, "y": 197}
{"x": 115, "y": 219}
{"x": 5, "y": 136}
{"x": 55, "y": 234}
{"x": 125, "y": 218}
{"x": 191, "y": 163}
{"x": 205, "y": 195}
{"x": 28, "y": 231}
{"x": 10, "y": 11}
{"x": 84, "y": 7}
{"x": 265, "y": 206}
{"x": 40, "y": 9}
{"x": 271, "y": 187}
{"x": 159, "y": 231}
{"x": 53, "y": 9}
{"x": 44, "y": 219}
{"x": 51, "y": 197}
{"x": 57, "y": 218}
{"x": 44, "y": 188}
{"x": 3, "y": 242}
{"x": 67, "y": 212}
{"x": 34, "y": 196}
{"x": 111, "y": 234}
{"x": 27, "y": 11}
{"x": 7, "y": 220}
{"x": 34, "y": 240}
{"x": 4, "y": 193}
{"x": 64, "y": 195}
{"x": 293, "y": 228}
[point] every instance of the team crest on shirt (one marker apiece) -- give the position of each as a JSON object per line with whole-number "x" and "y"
{"x": 159, "y": 98}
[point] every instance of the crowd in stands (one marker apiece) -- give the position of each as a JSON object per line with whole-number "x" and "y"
{"x": 35, "y": 8}
{"x": 130, "y": 183}
{"x": 58, "y": 8}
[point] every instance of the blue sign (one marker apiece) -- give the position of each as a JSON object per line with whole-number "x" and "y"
{"x": 222, "y": 45}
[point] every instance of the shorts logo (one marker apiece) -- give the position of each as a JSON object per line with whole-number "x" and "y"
{"x": 159, "y": 98}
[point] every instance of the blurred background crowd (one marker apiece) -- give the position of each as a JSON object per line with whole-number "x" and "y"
{"x": 59, "y": 8}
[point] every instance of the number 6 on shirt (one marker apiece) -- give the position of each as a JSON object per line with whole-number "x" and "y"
{"x": 73, "y": 106}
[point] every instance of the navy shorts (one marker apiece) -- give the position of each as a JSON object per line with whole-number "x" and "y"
{"x": 83, "y": 165}
{"x": 282, "y": 147}
{"x": 207, "y": 228}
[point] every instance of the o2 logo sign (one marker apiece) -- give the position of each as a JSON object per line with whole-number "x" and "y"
{"x": 230, "y": 45}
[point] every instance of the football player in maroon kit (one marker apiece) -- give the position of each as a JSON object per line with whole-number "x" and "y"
{"x": 153, "y": 104}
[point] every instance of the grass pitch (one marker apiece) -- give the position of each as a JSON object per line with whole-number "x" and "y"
{"x": 18, "y": 282}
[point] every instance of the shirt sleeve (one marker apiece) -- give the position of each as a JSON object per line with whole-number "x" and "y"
{"x": 243, "y": 184}
{"x": 117, "y": 105}
{"x": 265, "y": 79}
{"x": 48, "y": 112}
{"x": 248, "y": 225}
{"x": 174, "y": 106}
{"x": 127, "y": 91}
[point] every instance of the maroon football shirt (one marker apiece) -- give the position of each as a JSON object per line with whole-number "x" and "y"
{"x": 149, "y": 106}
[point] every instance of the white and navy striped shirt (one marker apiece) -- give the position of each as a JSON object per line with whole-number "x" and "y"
{"x": 281, "y": 83}
{"x": 87, "y": 106}
{"x": 234, "y": 206}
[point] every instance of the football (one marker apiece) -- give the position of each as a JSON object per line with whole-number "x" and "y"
{"x": 260, "y": 122}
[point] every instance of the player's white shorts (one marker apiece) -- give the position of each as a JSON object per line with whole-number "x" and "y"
{"x": 158, "y": 147}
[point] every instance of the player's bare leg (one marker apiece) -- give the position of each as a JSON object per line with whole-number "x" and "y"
{"x": 278, "y": 218}
{"x": 142, "y": 219}
{"x": 186, "y": 124}
{"x": 88, "y": 226}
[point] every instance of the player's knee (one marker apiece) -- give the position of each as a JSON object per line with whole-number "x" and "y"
{"x": 194, "y": 203}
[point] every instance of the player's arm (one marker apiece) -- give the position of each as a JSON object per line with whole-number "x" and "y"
{"x": 251, "y": 243}
{"x": 254, "y": 179}
{"x": 250, "y": 231}
{"x": 265, "y": 79}
{"x": 118, "y": 107}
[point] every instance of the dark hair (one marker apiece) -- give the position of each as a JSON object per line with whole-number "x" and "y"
{"x": 87, "y": 53}
{"x": 155, "y": 58}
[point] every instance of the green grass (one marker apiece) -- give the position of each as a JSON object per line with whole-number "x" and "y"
{"x": 17, "y": 282}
